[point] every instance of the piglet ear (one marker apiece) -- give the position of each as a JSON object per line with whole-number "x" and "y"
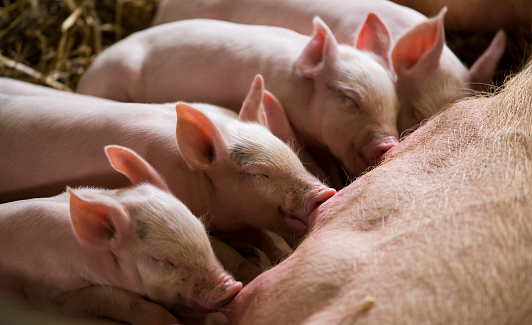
{"x": 420, "y": 47}
{"x": 198, "y": 138}
{"x": 321, "y": 50}
{"x": 277, "y": 122}
{"x": 138, "y": 170}
{"x": 279, "y": 125}
{"x": 97, "y": 219}
{"x": 263, "y": 107}
{"x": 375, "y": 37}
{"x": 485, "y": 66}
{"x": 252, "y": 110}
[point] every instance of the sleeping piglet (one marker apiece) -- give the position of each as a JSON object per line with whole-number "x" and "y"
{"x": 136, "y": 254}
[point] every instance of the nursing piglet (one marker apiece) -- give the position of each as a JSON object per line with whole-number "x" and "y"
{"x": 136, "y": 255}
{"x": 429, "y": 75}
{"x": 339, "y": 100}
{"x": 232, "y": 171}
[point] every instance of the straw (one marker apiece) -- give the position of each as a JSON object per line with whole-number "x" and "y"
{"x": 52, "y": 42}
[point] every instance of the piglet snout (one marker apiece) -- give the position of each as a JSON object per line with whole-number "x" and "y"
{"x": 224, "y": 292}
{"x": 374, "y": 152}
{"x": 313, "y": 200}
{"x": 318, "y": 199}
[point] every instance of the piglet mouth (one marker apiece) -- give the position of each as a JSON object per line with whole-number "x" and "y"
{"x": 193, "y": 308}
{"x": 300, "y": 219}
{"x": 294, "y": 220}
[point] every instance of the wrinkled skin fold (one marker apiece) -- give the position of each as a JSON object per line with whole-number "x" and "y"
{"x": 440, "y": 232}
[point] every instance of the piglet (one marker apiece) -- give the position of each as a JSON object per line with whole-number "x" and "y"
{"x": 136, "y": 254}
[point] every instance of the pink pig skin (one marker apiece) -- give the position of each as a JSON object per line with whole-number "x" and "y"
{"x": 100, "y": 252}
{"x": 339, "y": 100}
{"x": 233, "y": 173}
{"x": 429, "y": 75}
{"x": 17, "y": 87}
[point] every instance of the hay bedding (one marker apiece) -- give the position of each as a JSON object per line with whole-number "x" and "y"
{"x": 52, "y": 42}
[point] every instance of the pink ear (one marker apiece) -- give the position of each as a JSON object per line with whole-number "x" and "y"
{"x": 485, "y": 66}
{"x": 421, "y": 46}
{"x": 198, "y": 138}
{"x": 251, "y": 110}
{"x": 134, "y": 167}
{"x": 375, "y": 37}
{"x": 320, "y": 50}
{"x": 95, "y": 219}
{"x": 278, "y": 123}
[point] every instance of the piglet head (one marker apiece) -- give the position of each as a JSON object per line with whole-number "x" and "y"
{"x": 430, "y": 77}
{"x": 258, "y": 181}
{"x": 354, "y": 109}
{"x": 287, "y": 184}
{"x": 158, "y": 248}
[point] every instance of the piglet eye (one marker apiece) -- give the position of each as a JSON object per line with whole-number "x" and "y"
{"x": 351, "y": 100}
{"x": 256, "y": 170}
{"x": 163, "y": 262}
{"x": 258, "y": 175}
{"x": 348, "y": 97}
{"x": 172, "y": 264}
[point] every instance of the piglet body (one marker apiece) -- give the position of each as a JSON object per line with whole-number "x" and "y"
{"x": 102, "y": 252}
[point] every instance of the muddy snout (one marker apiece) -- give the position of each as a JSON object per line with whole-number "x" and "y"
{"x": 373, "y": 152}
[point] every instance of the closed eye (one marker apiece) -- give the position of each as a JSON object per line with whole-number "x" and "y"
{"x": 257, "y": 170}
{"x": 346, "y": 97}
{"x": 258, "y": 175}
{"x": 164, "y": 262}
{"x": 172, "y": 264}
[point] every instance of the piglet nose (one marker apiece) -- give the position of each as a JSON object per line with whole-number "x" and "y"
{"x": 322, "y": 196}
{"x": 380, "y": 149}
{"x": 228, "y": 289}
